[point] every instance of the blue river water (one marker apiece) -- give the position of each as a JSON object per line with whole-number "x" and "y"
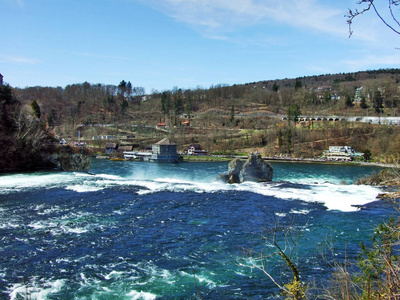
{"x": 134, "y": 230}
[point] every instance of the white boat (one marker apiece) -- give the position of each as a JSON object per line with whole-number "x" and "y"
{"x": 130, "y": 155}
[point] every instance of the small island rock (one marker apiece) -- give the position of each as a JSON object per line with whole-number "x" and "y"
{"x": 257, "y": 170}
{"x": 253, "y": 169}
{"x": 235, "y": 166}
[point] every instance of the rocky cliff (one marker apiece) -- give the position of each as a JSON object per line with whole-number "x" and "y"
{"x": 28, "y": 145}
{"x": 66, "y": 159}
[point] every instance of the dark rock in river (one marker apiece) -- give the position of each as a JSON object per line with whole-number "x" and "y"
{"x": 225, "y": 178}
{"x": 222, "y": 177}
{"x": 253, "y": 169}
{"x": 257, "y": 170}
{"x": 234, "y": 179}
{"x": 235, "y": 166}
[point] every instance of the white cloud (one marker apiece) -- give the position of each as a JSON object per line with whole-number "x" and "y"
{"x": 20, "y": 3}
{"x": 18, "y": 60}
{"x": 225, "y": 15}
{"x": 371, "y": 61}
{"x": 94, "y": 55}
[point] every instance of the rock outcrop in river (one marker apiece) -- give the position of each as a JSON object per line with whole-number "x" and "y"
{"x": 68, "y": 160}
{"x": 253, "y": 169}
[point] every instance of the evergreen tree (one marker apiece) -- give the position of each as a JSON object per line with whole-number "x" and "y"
{"x": 188, "y": 106}
{"x": 289, "y": 140}
{"x": 378, "y": 102}
{"x": 293, "y": 113}
{"x": 129, "y": 89}
{"x": 51, "y": 118}
{"x": 36, "y": 109}
{"x": 165, "y": 103}
{"x": 124, "y": 105}
{"x": 363, "y": 103}
{"x": 280, "y": 138}
{"x": 349, "y": 101}
{"x": 6, "y": 94}
{"x": 178, "y": 104}
{"x": 122, "y": 88}
{"x": 367, "y": 155}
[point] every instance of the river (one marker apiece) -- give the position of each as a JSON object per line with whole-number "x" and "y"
{"x": 135, "y": 230}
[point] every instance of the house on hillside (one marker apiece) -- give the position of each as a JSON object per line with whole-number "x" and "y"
{"x": 164, "y": 151}
{"x": 111, "y": 148}
{"x": 196, "y": 149}
{"x": 1, "y": 80}
{"x": 359, "y": 94}
{"x": 323, "y": 92}
{"x": 125, "y": 148}
{"x": 185, "y": 123}
{"x": 104, "y": 137}
{"x": 341, "y": 153}
{"x": 161, "y": 125}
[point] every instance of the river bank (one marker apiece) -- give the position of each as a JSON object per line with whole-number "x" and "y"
{"x": 222, "y": 158}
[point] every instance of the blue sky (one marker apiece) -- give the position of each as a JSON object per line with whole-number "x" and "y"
{"x": 159, "y": 44}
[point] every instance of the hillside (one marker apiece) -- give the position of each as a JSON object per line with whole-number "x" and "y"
{"x": 226, "y": 118}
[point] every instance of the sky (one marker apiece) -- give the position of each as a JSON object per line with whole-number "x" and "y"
{"x": 162, "y": 44}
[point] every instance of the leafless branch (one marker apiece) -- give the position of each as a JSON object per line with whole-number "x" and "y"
{"x": 370, "y": 4}
{"x": 284, "y": 240}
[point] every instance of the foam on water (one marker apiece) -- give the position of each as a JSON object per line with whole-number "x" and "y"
{"x": 113, "y": 274}
{"x": 312, "y": 187}
{"x": 13, "y": 183}
{"x": 46, "y": 211}
{"x": 344, "y": 197}
{"x": 36, "y": 290}
{"x": 21, "y": 182}
{"x": 84, "y": 188}
{"x": 9, "y": 225}
{"x": 108, "y": 176}
{"x": 141, "y": 295}
{"x": 334, "y": 197}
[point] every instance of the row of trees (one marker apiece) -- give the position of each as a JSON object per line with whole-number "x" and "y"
{"x": 96, "y": 103}
{"x": 82, "y": 103}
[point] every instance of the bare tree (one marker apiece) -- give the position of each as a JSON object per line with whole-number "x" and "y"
{"x": 284, "y": 240}
{"x": 391, "y": 21}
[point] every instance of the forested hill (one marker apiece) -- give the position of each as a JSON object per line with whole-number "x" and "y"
{"x": 250, "y": 113}
{"x": 86, "y": 103}
{"x": 334, "y": 79}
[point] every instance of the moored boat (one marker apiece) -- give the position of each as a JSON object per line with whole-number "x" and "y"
{"x": 117, "y": 158}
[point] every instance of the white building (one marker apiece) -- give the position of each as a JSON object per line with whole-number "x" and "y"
{"x": 342, "y": 153}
